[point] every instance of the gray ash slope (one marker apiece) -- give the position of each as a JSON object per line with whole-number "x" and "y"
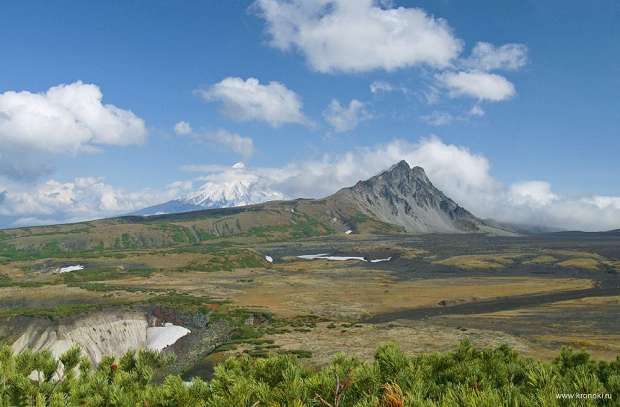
{"x": 404, "y": 196}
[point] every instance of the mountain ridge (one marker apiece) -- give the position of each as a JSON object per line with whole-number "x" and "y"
{"x": 401, "y": 195}
{"x": 396, "y": 201}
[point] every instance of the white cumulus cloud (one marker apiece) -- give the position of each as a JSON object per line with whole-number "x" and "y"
{"x": 227, "y": 139}
{"x": 476, "y": 110}
{"x": 536, "y": 193}
{"x": 365, "y": 35}
{"x": 478, "y": 84}
{"x": 182, "y": 128}
{"x": 248, "y": 99}
{"x": 605, "y": 202}
{"x": 240, "y": 145}
{"x": 381, "y": 87}
{"x": 488, "y": 57}
{"x": 66, "y": 118}
{"x": 437, "y": 118}
{"x": 358, "y": 35}
{"x": 345, "y": 118}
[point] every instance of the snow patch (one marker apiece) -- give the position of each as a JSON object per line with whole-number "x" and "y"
{"x": 341, "y": 258}
{"x": 326, "y": 256}
{"x": 380, "y": 260}
{"x": 312, "y": 256}
{"x": 68, "y": 269}
{"x": 160, "y": 337}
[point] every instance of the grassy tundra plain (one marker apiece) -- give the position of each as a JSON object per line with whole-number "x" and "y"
{"x": 531, "y": 294}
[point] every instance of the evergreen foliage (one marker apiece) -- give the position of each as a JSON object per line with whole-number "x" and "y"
{"x": 465, "y": 377}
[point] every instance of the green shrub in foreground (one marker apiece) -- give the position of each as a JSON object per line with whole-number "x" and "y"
{"x": 465, "y": 377}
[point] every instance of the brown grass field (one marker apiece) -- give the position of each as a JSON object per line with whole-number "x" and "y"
{"x": 426, "y": 273}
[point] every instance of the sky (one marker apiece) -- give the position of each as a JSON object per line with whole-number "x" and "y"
{"x": 511, "y": 107}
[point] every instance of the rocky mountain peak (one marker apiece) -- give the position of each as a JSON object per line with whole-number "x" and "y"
{"x": 403, "y": 195}
{"x": 419, "y": 173}
{"x": 404, "y": 171}
{"x": 402, "y": 165}
{"x": 399, "y": 179}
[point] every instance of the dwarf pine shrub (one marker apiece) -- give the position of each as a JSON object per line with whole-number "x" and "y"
{"x": 464, "y": 377}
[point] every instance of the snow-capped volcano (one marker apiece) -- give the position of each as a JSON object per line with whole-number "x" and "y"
{"x": 232, "y": 187}
{"x": 231, "y": 193}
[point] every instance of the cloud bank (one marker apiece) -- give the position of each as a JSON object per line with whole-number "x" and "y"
{"x": 83, "y": 198}
{"x": 462, "y": 174}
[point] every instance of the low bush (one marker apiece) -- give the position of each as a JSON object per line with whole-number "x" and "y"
{"x": 465, "y": 377}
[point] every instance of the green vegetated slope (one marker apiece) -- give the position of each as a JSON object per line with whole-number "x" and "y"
{"x": 269, "y": 221}
{"x": 465, "y": 377}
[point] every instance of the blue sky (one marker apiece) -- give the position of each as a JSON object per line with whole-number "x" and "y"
{"x": 558, "y": 125}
